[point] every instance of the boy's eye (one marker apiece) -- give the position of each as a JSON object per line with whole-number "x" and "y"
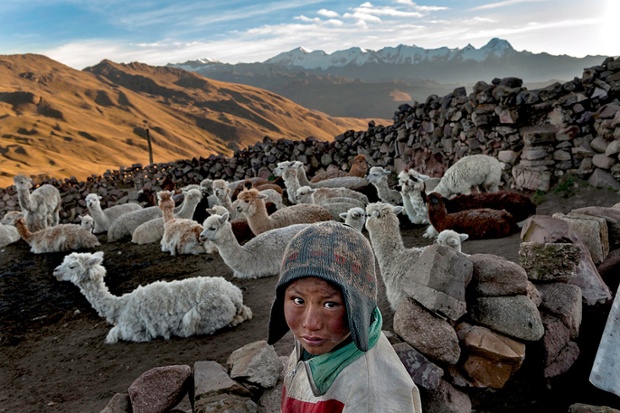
{"x": 298, "y": 301}
{"x": 331, "y": 304}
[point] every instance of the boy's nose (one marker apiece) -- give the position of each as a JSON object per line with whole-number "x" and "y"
{"x": 312, "y": 319}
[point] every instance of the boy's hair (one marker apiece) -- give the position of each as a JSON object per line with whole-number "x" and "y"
{"x": 341, "y": 256}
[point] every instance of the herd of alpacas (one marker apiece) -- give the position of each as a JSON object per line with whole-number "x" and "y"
{"x": 249, "y": 223}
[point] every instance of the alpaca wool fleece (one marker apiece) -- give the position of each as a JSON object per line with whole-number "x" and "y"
{"x": 340, "y": 255}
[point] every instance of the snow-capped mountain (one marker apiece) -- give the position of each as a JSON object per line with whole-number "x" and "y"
{"x": 402, "y": 54}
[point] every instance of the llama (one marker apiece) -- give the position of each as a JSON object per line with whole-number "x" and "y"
{"x": 481, "y": 223}
{"x": 378, "y": 177}
{"x": 199, "y": 305}
{"x": 41, "y": 208}
{"x": 103, "y": 218}
{"x": 61, "y": 237}
{"x": 451, "y": 239}
{"x": 257, "y": 258}
{"x": 472, "y": 171}
{"x": 153, "y": 230}
{"x": 359, "y": 168}
{"x": 355, "y": 218}
{"x": 395, "y": 261}
{"x": 181, "y": 235}
{"x": 252, "y": 206}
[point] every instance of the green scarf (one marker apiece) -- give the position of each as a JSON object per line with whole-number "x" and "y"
{"x": 324, "y": 369}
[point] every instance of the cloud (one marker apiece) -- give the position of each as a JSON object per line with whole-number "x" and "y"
{"x": 327, "y": 13}
{"x": 505, "y": 3}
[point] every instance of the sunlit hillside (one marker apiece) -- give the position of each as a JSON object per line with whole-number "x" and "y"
{"x": 57, "y": 121}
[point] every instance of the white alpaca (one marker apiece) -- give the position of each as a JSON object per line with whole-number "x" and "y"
{"x": 252, "y": 206}
{"x": 181, "y": 235}
{"x": 355, "y": 218}
{"x": 378, "y": 177}
{"x": 339, "y": 182}
{"x": 61, "y": 237}
{"x": 472, "y": 171}
{"x": 200, "y": 305}
{"x": 8, "y": 232}
{"x": 259, "y": 257}
{"x": 41, "y": 208}
{"x": 87, "y": 222}
{"x": 222, "y": 192}
{"x": 288, "y": 172}
{"x": 452, "y": 239}
{"x": 411, "y": 193}
{"x": 395, "y": 261}
{"x": 152, "y": 231}
{"x": 103, "y": 218}
{"x": 306, "y": 195}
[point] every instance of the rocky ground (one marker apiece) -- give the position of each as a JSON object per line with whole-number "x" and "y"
{"x": 54, "y": 358}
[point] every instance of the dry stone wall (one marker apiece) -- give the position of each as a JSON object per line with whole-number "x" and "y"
{"x": 541, "y": 135}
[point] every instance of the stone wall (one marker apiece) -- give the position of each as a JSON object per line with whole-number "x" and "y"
{"x": 540, "y": 134}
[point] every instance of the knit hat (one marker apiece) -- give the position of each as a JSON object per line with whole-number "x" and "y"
{"x": 339, "y": 255}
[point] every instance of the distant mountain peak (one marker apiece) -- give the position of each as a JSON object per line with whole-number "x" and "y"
{"x": 497, "y": 44}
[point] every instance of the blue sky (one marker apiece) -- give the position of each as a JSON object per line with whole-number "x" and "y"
{"x": 81, "y": 33}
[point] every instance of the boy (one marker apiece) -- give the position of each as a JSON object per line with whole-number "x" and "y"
{"x": 327, "y": 297}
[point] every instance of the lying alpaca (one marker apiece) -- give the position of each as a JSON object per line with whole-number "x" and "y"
{"x": 355, "y": 218}
{"x": 452, "y": 239}
{"x": 87, "y": 222}
{"x": 62, "y": 237}
{"x": 181, "y": 235}
{"x": 252, "y": 206}
{"x": 395, "y": 261}
{"x": 482, "y": 223}
{"x": 240, "y": 226}
{"x": 8, "y": 232}
{"x": 103, "y": 218}
{"x": 359, "y": 167}
{"x": 41, "y": 208}
{"x": 257, "y": 258}
{"x": 200, "y": 305}
{"x": 306, "y": 195}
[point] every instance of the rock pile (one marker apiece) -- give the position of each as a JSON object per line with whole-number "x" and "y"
{"x": 540, "y": 134}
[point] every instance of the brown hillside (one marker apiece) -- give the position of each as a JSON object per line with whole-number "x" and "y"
{"x": 59, "y": 122}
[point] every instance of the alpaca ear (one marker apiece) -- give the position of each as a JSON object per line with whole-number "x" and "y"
{"x": 375, "y": 214}
{"x": 224, "y": 217}
{"x": 343, "y": 215}
{"x": 397, "y": 209}
{"x": 463, "y": 237}
{"x": 96, "y": 258}
{"x": 261, "y": 196}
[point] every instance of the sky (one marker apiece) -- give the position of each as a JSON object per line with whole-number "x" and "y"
{"x": 81, "y": 33}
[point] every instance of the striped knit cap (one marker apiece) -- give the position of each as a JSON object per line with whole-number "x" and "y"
{"x": 340, "y": 255}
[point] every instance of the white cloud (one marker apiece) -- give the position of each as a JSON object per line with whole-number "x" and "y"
{"x": 327, "y": 13}
{"x": 505, "y": 3}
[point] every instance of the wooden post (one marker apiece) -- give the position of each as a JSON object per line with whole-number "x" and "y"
{"x": 148, "y": 139}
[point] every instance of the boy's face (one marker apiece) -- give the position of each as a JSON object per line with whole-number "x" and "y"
{"x": 316, "y": 314}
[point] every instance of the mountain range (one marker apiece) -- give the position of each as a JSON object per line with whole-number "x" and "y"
{"x": 364, "y": 83}
{"x": 60, "y": 122}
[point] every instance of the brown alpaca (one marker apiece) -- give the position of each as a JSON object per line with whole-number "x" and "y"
{"x": 252, "y": 205}
{"x": 481, "y": 223}
{"x": 519, "y": 206}
{"x": 181, "y": 235}
{"x": 359, "y": 167}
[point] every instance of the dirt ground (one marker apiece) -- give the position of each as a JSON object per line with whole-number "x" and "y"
{"x": 54, "y": 359}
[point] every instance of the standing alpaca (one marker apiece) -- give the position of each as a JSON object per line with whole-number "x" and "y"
{"x": 481, "y": 223}
{"x": 472, "y": 171}
{"x": 62, "y": 237}
{"x": 153, "y": 230}
{"x": 200, "y": 305}
{"x": 396, "y": 262}
{"x": 181, "y": 235}
{"x": 359, "y": 168}
{"x": 257, "y": 258}
{"x": 41, "y": 208}
{"x": 378, "y": 177}
{"x": 252, "y": 205}
{"x": 103, "y": 218}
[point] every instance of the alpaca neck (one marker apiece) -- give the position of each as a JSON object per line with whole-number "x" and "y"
{"x": 302, "y": 178}
{"x": 227, "y": 244}
{"x": 187, "y": 208}
{"x": 227, "y": 203}
{"x": 23, "y": 230}
{"x": 259, "y": 221}
{"x": 167, "y": 212}
{"x": 23, "y": 197}
{"x": 292, "y": 184}
{"x": 436, "y": 214}
{"x": 387, "y": 242}
{"x": 383, "y": 190}
{"x": 100, "y": 298}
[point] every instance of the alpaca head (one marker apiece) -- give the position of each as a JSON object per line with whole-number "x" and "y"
{"x": 193, "y": 195}
{"x": 22, "y": 182}
{"x": 304, "y": 194}
{"x": 356, "y": 217}
{"x": 212, "y": 225}
{"x": 78, "y": 268}
{"x": 11, "y": 217}
{"x": 360, "y": 162}
{"x": 381, "y": 211}
{"x": 92, "y": 200}
{"x": 450, "y": 238}
{"x": 433, "y": 200}
{"x": 219, "y": 188}
{"x": 86, "y": 221}
{"x": 282, "y": 167}
{"x": 247, "y": 201}
{"x": 208, "y": 185}
{"x": 377, "y": 174}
